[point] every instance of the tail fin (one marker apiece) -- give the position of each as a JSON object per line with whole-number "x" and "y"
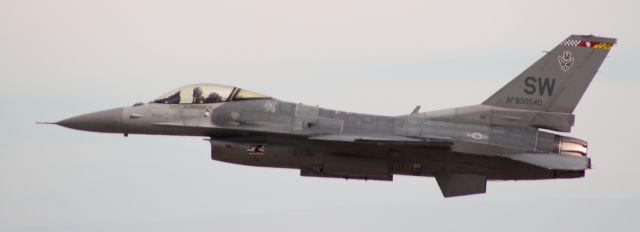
{"x": 557, "y": 81}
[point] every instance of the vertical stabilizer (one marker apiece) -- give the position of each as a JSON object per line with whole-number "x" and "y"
{"x": 557, "y": 81}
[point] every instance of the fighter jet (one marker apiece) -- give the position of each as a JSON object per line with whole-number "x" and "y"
{"x": 509, "y": 136}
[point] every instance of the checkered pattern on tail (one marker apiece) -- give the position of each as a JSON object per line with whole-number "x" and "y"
{"x": 571, "y": 42}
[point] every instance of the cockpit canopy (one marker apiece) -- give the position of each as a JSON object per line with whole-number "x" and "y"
{"x": 207, "y": 93}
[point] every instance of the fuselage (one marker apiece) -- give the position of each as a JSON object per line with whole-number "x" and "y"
{"x": 274, "y": 133}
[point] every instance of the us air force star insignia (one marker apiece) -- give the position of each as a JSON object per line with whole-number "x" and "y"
{"x": 566, "y": 60}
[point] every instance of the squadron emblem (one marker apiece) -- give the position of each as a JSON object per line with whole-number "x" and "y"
{"x": 566, "y": 60}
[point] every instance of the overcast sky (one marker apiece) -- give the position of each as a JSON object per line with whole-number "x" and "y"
{"x": 63, "y": 58}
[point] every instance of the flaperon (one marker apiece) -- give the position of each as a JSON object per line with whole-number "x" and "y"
{"x": 500, "y": 139}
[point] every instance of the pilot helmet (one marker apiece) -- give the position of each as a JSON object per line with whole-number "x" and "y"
{"x": 197, "y": 92}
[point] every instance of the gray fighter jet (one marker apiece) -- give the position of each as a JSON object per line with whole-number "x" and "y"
{"x": 507, "y": 137}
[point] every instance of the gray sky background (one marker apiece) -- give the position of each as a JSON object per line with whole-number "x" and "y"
{"x": 63, "y": 58}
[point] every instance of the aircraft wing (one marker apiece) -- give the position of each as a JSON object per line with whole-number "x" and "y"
{"x": 388, "y": 140}
{"x": 381, "y": 140}
{"x": 210, "y": 130}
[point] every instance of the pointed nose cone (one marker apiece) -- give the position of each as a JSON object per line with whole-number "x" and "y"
{"x": 102, "y": 121}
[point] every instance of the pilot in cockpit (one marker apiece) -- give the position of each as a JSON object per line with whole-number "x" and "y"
{"x": 212, "y": 98}
{"x": 197, "y": 96}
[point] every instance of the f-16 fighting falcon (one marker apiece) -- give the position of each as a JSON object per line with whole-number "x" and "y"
{"x": 509, "y": 136}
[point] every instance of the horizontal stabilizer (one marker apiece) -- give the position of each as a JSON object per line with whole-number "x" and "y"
{"x": 458, "y": 184}
{"x": 554, "y": 161}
